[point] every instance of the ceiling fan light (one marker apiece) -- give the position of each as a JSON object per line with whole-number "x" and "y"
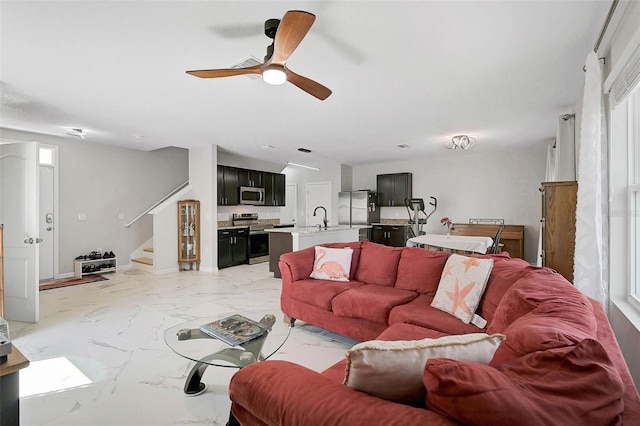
{"x": 274, "y": 75}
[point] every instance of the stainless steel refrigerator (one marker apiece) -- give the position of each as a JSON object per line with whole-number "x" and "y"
{"x": 358, "y": 208}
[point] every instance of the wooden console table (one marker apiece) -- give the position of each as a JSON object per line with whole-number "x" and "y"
{"x": 10, "y": 386}
{"x": 512, "y": 237}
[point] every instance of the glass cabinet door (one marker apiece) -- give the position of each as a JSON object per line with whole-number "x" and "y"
{"x": 188, "y": 234}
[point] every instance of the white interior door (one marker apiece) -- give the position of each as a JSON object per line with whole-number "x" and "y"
{"x": 318, "y": 194}
{"x": 19, "y": 214}
{"x": 289, "y": 213}
{"x": 46, "y": 223}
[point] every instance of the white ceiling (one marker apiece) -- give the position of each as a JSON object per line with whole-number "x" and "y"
{"x": 415, "y": 73}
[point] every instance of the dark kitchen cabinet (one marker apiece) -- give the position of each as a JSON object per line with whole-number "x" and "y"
{"x": 233, "y": 247}
{"x": 228, "y": 192}
{"x": 390, "y": 235}
{"x": 250, "y": 178}
{"x": 274, "y": 188}
{"x": 394, "y": 188}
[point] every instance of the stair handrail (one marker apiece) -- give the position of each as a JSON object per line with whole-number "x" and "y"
{"x": 165, "y": 198}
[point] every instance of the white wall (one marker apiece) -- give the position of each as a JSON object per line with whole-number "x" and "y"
{"x": 472, "y": 184}
{"x": 103, "y": 181}
{"x": 203, "y": 163}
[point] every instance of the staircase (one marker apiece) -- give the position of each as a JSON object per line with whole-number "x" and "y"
{"x": 144, "y": 263}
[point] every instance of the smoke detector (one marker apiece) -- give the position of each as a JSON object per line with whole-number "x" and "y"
{"x": 78, "y": 133}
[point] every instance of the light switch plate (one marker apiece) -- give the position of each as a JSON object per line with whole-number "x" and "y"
{"x": 82, "y": 216}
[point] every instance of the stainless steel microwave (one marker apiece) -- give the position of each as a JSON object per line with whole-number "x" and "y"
{"x": 251, "y": 195}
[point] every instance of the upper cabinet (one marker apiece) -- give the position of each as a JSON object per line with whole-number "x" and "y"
{"x": 250, "y": 178}
{"x": 274, "y": 189}
{"x": 394, "y": 188}
{"x": 230, "y": 179}
{"x": 228, "y": 186}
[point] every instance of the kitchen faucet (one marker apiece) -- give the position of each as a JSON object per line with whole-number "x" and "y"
{"x": 325, "y": 221}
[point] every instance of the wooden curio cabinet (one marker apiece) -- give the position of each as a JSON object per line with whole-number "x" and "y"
{"x": 188, "y": 235}
{"x": 559, "y": 200}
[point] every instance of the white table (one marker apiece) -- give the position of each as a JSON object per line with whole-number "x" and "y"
{"x": 453, "y": 242}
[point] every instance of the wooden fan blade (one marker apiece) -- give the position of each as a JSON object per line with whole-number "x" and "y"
{"x": 311, "y": 87}
{"x": 229, "y": 72}
{"x": 293, "y": 27}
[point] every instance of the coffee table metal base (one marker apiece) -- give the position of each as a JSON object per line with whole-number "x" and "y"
{"x": 238, "y": 357}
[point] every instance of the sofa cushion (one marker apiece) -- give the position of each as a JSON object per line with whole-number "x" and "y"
{"x": 378, "y": 264}
{"x": 420, "y": 312}
{"x": 462, "y": 285}
{"x": 572, "y": 385}
{"x": 393, "y": 370}
{"x": 506, "y": 271}
{"x": 537, "y": 286}
{"x": 370, "y": 302}
{"x": 333, "y": 264}
{"x": 552, "y": 324}
{"x": 320, "y": 293}
{"x": 420, "y": 270}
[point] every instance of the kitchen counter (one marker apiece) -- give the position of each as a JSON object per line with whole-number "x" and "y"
{"x": 314, "y": 229}
{"x": 285, "y": 240}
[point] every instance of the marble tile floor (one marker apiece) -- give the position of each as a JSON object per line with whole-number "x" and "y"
{"x": 112, "y": 333}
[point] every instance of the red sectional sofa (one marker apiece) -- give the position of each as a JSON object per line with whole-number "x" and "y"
{"x": 560, "y": 362}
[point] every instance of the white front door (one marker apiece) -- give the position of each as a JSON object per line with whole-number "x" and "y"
{"x": 318, "y": 194}
{"x": 19, "y": 214}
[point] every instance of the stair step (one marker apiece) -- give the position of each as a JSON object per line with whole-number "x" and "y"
{"x": 143, "y": 260}
{"x": 148, "y": 250}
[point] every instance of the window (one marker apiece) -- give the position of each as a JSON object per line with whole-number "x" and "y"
{"x": 46, "y": 156}
{"x": 634, "y": 196}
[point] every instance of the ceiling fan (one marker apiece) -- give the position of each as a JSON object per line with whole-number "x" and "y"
{"x": 287, "y": 35}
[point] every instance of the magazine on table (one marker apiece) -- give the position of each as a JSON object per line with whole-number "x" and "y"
{"x": 235, "y": 329}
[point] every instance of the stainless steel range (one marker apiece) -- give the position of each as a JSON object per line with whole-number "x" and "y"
{"x": 258, "y": 237}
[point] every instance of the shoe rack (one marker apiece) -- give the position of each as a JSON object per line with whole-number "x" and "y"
{"x": 94, "y": 265}
{"x": 188, "y": 235}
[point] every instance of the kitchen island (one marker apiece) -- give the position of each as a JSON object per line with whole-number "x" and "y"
{"x": 285, "y": 240}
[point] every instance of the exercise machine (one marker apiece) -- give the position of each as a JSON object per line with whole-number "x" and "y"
{"x": 417, "y": 215}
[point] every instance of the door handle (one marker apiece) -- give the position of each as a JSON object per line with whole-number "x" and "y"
{"x": 28, "y": 241}
{"x": 49, "y": 228}
{"x": 39, "y": 240}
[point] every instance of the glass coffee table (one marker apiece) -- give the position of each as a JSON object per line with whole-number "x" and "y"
{"x": 188, "y": 341}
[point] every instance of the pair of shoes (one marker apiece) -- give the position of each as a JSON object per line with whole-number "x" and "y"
{"x": 95, "y": 255}
{"x": 108, "y": 255}
{"x": 89, "y": 269}
{"x": 82, "y": 257}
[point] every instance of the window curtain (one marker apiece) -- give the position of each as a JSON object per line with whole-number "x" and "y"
{"x": 591, "y": 246}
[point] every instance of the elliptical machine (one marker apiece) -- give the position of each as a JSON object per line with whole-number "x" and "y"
{"x": 415, "y": 206}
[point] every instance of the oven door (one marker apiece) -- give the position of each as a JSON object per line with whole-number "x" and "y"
{"x": 258, "y": 247}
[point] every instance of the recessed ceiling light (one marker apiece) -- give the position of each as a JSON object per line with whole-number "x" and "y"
{"x": 139, "y": 137}
{"x": 403, "y": 145}
{"x": 266, "y": 146}
{"x": 78, "y": 133}
{"x": 305, "y": 150}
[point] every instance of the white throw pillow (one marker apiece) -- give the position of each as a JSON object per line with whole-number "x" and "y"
{"x": 332, "y": 264}
{"x": 462, "y": 285}
{"x": 393, "y": 370}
